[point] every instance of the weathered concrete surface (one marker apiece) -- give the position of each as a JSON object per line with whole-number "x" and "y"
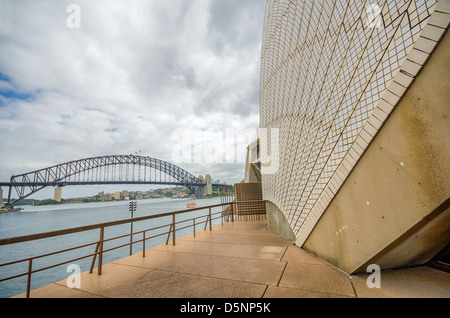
{"x": 277, "y": 223}
{"x": 238, "y": 260}
{"x": 385, "y": 212}
{"x": 418, "y": 282}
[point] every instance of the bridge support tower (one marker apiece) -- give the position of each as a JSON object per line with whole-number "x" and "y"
{"x": 57, "y": 194}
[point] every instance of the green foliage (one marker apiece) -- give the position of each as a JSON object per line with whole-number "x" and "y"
{"x": 47, "y": 202}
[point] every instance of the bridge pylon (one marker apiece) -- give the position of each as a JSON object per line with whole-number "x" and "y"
{"x": 103, "y": 170}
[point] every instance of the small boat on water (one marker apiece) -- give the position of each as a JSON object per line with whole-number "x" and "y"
{"x": 191, "y": 205}
{"x": 8, "y": 210}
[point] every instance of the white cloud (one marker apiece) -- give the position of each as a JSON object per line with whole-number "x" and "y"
{"x": 133, "y": 73}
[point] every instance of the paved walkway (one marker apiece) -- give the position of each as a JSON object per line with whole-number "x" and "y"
{"x": 240, "y": 260}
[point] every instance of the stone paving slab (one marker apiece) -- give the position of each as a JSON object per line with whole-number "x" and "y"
{"x": 318, "y": 278}
{"x": 234, "y": 268}
{"x": 226, "y": 249}
{"x": 417, "y": 282}
{"x": 239, "y": 260}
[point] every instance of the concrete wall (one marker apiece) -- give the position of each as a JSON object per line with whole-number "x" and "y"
{"x": 392, "y": 210}
{"x": 277, "y": 223}
{"x": 252, "y": 170}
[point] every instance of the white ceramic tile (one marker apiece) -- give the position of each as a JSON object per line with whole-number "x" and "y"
{"x": 329, "y": 81}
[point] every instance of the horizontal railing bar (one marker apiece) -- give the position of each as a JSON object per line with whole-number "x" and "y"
{"x": 135, "y": 233}
{"x": 106, "y": 240}
{"x": 147, "y": 238}
{"x": 48, "y": 254}
{"x": 38, "y": 236}
{"x": 45, "y": 268}
{"x": 201, "y": 222}
{"x": 155, "y": 228}
{"x": 207, "y": 219}
{"x": 81, "y": 257}
{"x": 82, "y": 246}
{"x": 62, "y": 263}
{"x": 184, "y": 227}
{"x": 187, "y": 220}
{"x": 116, "y": 247}
{"x": 160, "y": 234}
{"x": 12, "y": 277}
{"x": 128, "y": 244}
{"x": 150, "y": 237}
{"x": 115, "y": 238}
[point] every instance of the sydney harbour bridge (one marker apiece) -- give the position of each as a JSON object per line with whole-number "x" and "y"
{"x": 107, "y": 170}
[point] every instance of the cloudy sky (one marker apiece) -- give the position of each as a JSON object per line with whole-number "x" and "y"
{"x": 127, "y": 76}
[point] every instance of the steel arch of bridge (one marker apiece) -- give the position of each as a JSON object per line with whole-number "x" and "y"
{"x": 111, "y": 169}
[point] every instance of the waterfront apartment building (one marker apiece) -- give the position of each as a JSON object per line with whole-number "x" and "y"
{"x": 357, "y": 95}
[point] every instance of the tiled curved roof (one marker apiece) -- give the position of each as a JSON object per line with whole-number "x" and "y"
{"x": 331, "y": 73}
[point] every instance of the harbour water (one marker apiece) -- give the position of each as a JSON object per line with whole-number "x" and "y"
{"x": 48, "y": 218}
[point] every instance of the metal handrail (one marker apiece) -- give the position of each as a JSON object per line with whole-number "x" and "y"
{"x": 99, "y": 250}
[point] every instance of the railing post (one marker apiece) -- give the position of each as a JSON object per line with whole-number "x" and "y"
{"x": 232, "y": 211}
{"x": 30, "y": 266}
{"x": 206, "y": 223}
{"x": 143, "y": 244}
{"x": 194, "y": 225}
{"x": 100, "y": 255}
{"x": 94, "y": 258}
{"x": 173, "y": 228}
{"x": 131, "y": 239}
{"x": 168, "y": 234}
{"x": 210, "y": 227}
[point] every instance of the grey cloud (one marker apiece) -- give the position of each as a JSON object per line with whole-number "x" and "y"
{"x": 131, "y": 75}
{"x": 235, "y": 97}
{"x": 190, "y": 77}
{"x": 236, "y": 23}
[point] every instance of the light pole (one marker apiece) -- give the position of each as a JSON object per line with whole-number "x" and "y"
{"x": 132, "y": 208}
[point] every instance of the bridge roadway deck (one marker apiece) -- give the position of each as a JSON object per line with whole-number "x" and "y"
{"x": 240, "y": 260}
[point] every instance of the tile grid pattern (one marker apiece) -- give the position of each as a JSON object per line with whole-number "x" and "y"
{"x": 331, "y": 73}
